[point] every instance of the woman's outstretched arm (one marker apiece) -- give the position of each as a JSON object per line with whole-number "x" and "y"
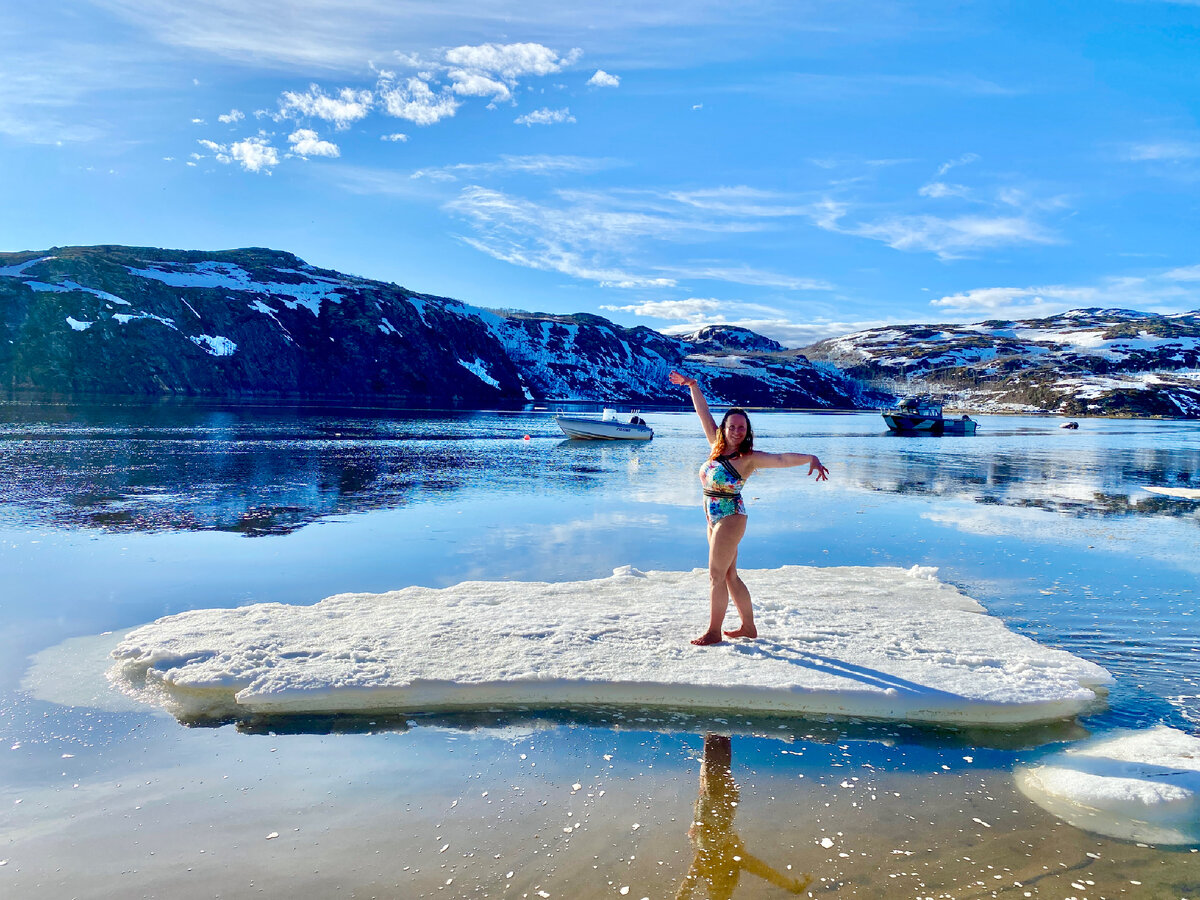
{"x": 761, "y": 460}
{"x": 700, "y": 405}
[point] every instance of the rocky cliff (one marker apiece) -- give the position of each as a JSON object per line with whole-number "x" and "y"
{"x": 257, "y": 323}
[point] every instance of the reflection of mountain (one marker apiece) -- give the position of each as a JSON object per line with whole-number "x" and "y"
{"x": 191, "y": 471}
{"x": 1099, "y": 484}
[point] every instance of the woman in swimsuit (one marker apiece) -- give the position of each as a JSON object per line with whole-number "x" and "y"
{"x": 732, "y": 461}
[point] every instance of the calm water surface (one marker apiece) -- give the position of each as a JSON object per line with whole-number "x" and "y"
{"x": 113, "y": 516}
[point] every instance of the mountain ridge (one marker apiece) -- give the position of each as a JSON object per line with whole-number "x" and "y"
{"x": 1087, "y": 361}
{"x": 260, "y": 323}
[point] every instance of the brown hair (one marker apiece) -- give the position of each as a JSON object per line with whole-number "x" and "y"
{"x": 720, "y": 448}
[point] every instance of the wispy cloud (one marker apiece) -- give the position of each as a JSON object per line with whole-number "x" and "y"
{"x": 1162, "y": 151}
{"x": 546, "y": 116}
{"x": 953, "y": 237}
{"x": 535, "y": 164}
{"x": 740, "y": 201}
{"x": 825, "y": 87}
{"x": 965, "y": 159}
{"x": 583, "y": 233}
{"x": 746, "y": 275}
{"x": 1169, "y": 291}
{"x": 940, "y": 189}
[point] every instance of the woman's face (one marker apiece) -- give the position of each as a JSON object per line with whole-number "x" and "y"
{"x": 735, "y": 430}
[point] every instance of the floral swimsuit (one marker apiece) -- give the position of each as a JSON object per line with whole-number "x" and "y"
{"x": 722, "y": 489}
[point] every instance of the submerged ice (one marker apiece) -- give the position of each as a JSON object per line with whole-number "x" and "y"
{"x": 851, "y": 641}
{"x": 1134, "y": 785}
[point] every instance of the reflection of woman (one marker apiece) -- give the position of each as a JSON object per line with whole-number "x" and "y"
{"x": 720, "y": 854}
{"x": 732, "y": 461}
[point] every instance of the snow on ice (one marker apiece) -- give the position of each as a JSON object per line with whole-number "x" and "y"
{"x": 852, "y": 641}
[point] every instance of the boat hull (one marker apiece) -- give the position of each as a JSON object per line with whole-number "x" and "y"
{"x": 583, "y": 429}
{"x": 907, "y": 423}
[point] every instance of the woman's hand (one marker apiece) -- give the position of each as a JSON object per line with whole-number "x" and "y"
{"x": 676, "y": 378}
{"x": 815, "y": 466}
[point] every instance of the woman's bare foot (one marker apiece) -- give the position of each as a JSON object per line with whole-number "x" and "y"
{"x": 708, "y": 639}
{"x": 743, "y": 631}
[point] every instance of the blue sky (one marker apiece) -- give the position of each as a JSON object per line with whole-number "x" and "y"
{"x": 802, "y": 168}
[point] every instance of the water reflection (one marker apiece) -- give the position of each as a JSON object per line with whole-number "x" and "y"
{"x": 721, "y": 856}
{"x": 264, "y": 471}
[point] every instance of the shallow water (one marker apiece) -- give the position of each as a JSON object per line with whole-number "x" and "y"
{"x": 113, "y": 516}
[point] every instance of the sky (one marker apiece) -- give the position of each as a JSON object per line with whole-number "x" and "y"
{"x": 804, "y": 168}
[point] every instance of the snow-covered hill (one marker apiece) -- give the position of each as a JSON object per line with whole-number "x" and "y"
{"x": 257, "y": 323}
{"x": 1085, "y": 361}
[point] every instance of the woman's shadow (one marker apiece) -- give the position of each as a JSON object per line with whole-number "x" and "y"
{"x": 721, "y": 856}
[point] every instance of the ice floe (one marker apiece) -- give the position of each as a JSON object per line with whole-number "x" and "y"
{"x": 1133, "y": 785}
{"x": 852, "y": 641}
{"x": 1185, "y": 493}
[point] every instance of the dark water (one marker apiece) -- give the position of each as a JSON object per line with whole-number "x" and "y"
{"x": 111, "y": 517}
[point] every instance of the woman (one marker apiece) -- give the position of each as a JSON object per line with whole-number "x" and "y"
{"x": 732, "y": 461}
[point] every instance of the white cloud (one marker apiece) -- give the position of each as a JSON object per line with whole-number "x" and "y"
{"x": 545, "y": 116}
{"x": 234, "y": 115}
{"x": 693, "y": 310}
{"x": 1013, "y": 302}
{"x": 394, "y": 137}
{"x": 417, "y": 102}
{"x": 199, "y": 122}
{"x": 343, "y": 110}
{"x": 510, "y": 61}
{"x": 603, "y": 79}
{"x": 255, "y": 154}
{"x": 474, "y": 84}
{"x": 305, "y": 142}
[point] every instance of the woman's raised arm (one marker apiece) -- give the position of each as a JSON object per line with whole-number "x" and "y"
{"x": 699, "y": 403}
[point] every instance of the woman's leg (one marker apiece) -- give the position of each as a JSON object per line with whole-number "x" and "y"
{"x": 723, "y": 538}
{"x": 741, "y": 599}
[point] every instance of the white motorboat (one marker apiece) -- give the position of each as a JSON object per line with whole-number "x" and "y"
{"x": 608, "y": 427}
